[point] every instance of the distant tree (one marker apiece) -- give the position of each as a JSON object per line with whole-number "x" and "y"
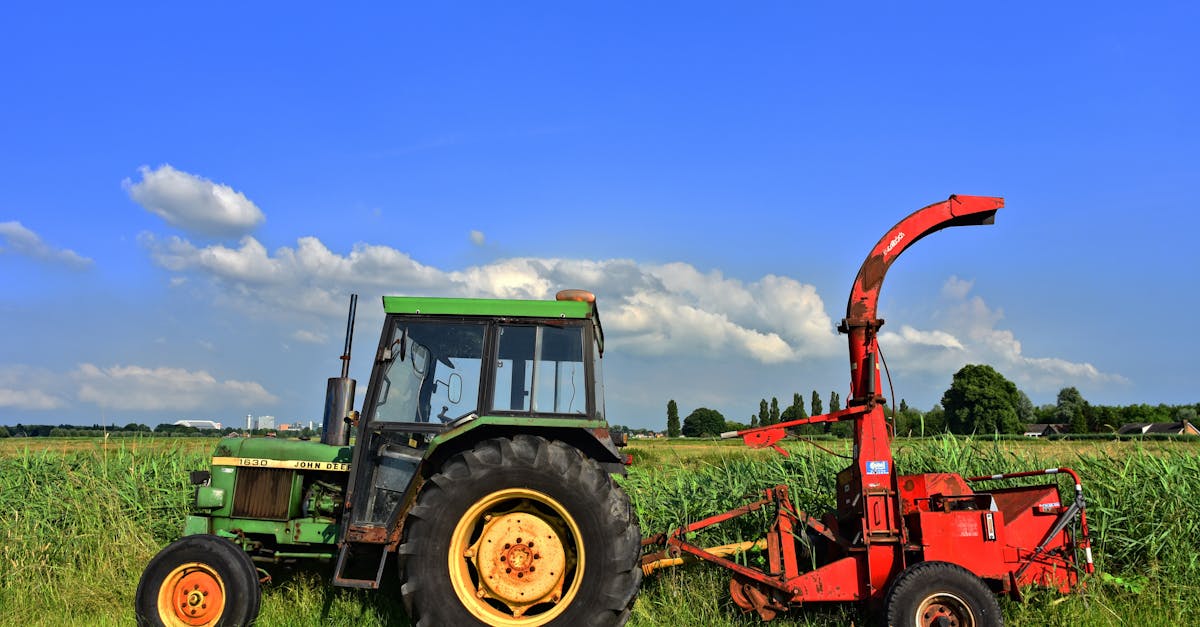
{"x": 672, "y": 419}
{"x": 817, "y": 407}
{"x": 1070, "y": 409}
{"x": 703, "y": 422}
{"x": 753, "y": 420}
{"x": 4, "y": 431}
{"x": 798, "y": 403}
{"x": 835, "y": 402}
{"x": 1186, "y": 413}
{"x": 774, "y": 413}
{"x": 1025, "y": 410}
{"x": 981, "y": 400}
{"x": 908, "y": 421}
{"x": 934, "y": 420}
{"x": 1104, "y": 419}
{"x": 734, "y": 426}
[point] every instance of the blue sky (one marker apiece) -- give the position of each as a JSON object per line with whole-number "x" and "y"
{"x": 191, "y": 193}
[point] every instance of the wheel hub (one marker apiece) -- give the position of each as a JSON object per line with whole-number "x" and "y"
{"x": 193, "y": 594}
{"x": 945, "y": 610}
{"x": 520, "y": 561}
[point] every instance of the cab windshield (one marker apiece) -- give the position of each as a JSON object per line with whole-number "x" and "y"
{"x": 432, "y": 372}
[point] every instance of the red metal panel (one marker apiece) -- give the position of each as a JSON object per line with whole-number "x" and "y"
{"x": 959, "y": 538}
{"x": 1030, "y": 512}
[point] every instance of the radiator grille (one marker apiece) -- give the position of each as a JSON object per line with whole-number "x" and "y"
{"x": 262, "y": 493}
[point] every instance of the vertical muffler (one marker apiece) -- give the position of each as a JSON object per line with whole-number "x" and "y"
{"x": 339, "y": 392}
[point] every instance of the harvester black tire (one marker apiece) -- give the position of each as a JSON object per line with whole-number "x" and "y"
{"x": 927, "y": 590}
{"x": 602, "y": 584}
{"x": 207, "y": 563}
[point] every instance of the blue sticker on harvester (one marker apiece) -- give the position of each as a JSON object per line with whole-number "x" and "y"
{"x": 877, "y": 468}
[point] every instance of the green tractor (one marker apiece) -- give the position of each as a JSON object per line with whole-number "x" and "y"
{"x": 481, "y": 458}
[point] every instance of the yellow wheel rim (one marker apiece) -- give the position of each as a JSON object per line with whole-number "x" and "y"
{"x": 191, "y": 595}
{"x": 516, "y": 558}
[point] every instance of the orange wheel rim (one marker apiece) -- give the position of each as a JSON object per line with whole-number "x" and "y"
{"x": 516, "y": 558}
{"x": 192, "y": 595}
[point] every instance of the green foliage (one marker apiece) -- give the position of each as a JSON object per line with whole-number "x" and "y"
{"x": 79, "y": 526}
{"x": 4, "y": 431}
{"x": 1025, "y": 409}
{"x": 1070, "y": 410}
{"x": 774, "y": 413}
{"x": 672, "y": 419}
{"x": 817, "y": 407}
{"x": 764, "y": 414}
{"x": 981, "y": 400}
{"x": 835, "y": 402}
{"x": 703, "y": 423}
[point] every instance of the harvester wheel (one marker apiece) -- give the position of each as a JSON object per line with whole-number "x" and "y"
{"x": 198, "y": 581}
{"x": 940, "y": 594}
{"x": 520, "y": 532}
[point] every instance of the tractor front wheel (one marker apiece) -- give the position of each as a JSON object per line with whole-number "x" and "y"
{"x": 198, "y": 581}
{"x": 940, "y": 594}
{"x": 520, "y": 532}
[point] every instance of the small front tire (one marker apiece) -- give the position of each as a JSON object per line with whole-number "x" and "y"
{"x": 198, "y": 581}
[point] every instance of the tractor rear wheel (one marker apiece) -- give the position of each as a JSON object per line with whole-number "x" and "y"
{"x": 198, "y": 581}
{"x": 520, "y": 532}
{"x": 940, "y": 594}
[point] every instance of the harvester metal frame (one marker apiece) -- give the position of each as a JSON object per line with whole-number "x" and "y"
{"x": 887, "y": 523}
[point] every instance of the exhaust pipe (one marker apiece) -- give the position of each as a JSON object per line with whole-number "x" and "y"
{"x": 339, "y": 392}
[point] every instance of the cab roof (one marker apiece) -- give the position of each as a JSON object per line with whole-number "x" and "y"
{"x": 575, "y": 304}
{"x": 492, "y": 307}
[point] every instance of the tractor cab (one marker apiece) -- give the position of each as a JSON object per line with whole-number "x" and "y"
{"x": 447, "y": 366}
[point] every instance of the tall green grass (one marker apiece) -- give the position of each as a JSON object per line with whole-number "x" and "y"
{"x": 77, "y": 527}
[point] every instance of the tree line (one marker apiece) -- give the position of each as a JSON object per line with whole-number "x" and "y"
{"x": 979, "y": 400}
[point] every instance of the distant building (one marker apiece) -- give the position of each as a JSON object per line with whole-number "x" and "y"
{"x": 264, "y": 422}
{"x": 1168, "y": 428}
{"x": 1041, "y": 430}
{"x": 199, "y": 424}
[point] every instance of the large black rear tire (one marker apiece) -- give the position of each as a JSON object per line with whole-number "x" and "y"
{"x": 940, "y": 594}
{"x": 520, "y": 532}
{"x": 198, "y": 581}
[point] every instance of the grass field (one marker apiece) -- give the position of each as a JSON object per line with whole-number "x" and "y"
{"x": 80, "y": 518}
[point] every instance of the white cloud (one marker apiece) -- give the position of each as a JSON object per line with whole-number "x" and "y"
{"x": 477, "y": 238}
{"x": 971, "y": 335}
{"x": 648, "y": 309}
{"x": 194, "y": 204}
{"x": 310, "y": 337}
{"x": 22, "y": 241}
{"x": 25, "y": 387}
{"x": 29, "y": 399}
{"x": 163, "y": 388}
{"x": 956, "y": 288}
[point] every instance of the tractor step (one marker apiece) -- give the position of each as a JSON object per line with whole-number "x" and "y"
{"x": 351, "y": 553}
